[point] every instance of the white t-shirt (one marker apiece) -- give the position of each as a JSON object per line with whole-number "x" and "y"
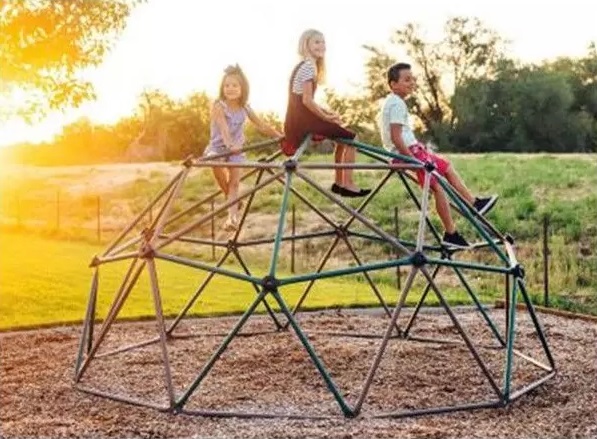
{"x": 306, "y": 72}
{"x": 394, "y": 110}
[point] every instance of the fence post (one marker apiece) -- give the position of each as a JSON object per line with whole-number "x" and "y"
{"x": 58, "y": 210}
{"x": 397, "y": 233}
{"x": 99, "y": 219}
{"x": 213, "y": 231}
{"x": 292, "y": 240}
{"x": 307, "y": 252}
{"x": 545, "y": 261}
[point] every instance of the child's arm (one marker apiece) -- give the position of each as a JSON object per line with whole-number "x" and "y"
{"x": 217, "y": 114}
{"x": 313, "y": 107}
{"x": 396, "y": 135}
{"x": 261, "y": 125}
{"x": 335, "y": 117}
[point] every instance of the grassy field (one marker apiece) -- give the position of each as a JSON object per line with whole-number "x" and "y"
{"x": 47, "y": 281}
{"x": 50, "y": 219}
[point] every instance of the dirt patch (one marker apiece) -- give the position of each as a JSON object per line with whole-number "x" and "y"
{"x": 94, "y": 179}
{"x": 271, "y": 372}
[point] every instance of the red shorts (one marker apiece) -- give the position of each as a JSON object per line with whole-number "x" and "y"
{"x": 421, "y": 152}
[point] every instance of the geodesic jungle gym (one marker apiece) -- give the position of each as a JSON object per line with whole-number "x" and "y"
{"x": 278, "y": 298}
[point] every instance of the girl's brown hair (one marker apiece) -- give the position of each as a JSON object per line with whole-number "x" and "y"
{"x": 236, "y": 71}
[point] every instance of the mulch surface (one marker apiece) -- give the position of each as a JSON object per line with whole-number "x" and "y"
{"x": 271, "y": 372}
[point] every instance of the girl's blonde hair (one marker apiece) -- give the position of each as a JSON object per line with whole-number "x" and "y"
{"x": 236, "y": 71}
{"x": 303, "y": 50}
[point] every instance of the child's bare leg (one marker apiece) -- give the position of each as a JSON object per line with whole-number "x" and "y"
{"x": 338, "y": 158}
{"x": 443, "y": 209}
{"x": 233, "y": 186}
{"x": 455, "y": 180}
{"x": 221, "y": 176}
{"x": 349, "y": 157}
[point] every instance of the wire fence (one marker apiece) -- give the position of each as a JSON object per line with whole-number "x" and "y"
{"x": 558, "y": 269}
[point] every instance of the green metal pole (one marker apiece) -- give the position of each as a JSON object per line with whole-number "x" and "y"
{"x": 322, "y": 263}
{"x": 533, "y": 314}
{"x": 465, "y": 210}
{"x": 382, "y": 151}
{"x": 355, "y": 213}
{"x": 216, "y": 355}
{"x": 267, "y": 306}
{"x": 193, "y": 225}
{"x": 510, "y": 343}
{"x": 463, "y": 334}
{"x": 471, "y": 293}
{"x": 207, "y": 267}
{"x": 344, "y": 271}
{"x": 281, "y": 222}
{"x": 346, "y": 410}
{"x": 404, "y": 242}
{"x": 468, "y": 265}
{"x": 302, "y": 147}
{"x": 197, "y": 293}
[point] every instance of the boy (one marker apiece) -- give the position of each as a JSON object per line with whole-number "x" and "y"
{"x": 397, "y": 136}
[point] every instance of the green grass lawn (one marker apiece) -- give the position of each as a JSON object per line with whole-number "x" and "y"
{"x": 45, "y": 281}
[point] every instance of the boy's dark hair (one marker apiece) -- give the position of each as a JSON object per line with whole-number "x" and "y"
{"x": 394, "y": 71}
{"x": 235, "y": 70}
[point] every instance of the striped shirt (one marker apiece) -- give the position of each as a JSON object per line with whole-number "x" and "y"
{"x": 306, "y": 72}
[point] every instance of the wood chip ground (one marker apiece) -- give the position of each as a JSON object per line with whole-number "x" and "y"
{"x": 271, "y": 372}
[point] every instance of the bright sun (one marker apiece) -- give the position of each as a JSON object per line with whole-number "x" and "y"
{"x": 16, "y": 130}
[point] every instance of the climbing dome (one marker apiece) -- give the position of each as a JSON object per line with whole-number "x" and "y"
{"x": 174, "y": 230}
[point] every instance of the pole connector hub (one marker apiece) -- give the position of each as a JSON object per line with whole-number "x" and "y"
{"x": 188, "y": 162}
{"x": 290, "y": 165}
{"x": 95, "y": 261}
{"x": 430, "y": 166}
{"x": 147, "y": 252}
{"x": 270, "y": 283}
{"x": 419, "y": 259}
{"x": 147, "y": 233}
{"x": 518, "y": 271}
{"x": 341, "y": 231}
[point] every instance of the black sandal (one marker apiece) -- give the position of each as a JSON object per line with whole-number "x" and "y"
{"x": 343, "y": 192}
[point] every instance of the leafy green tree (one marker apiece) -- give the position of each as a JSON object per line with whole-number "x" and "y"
{"x": 524, "y": 108}
{"x": 467, "y": 50}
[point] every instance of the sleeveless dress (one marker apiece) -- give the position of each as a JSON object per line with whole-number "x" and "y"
{"x": 235, "y": 119}
{"x": 300, "y": 121}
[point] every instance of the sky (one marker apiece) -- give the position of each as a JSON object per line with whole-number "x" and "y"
{"x": 182, "y": 46}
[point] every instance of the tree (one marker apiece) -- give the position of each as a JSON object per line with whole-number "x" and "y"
{"x": 44, "y": 44}
{"x": 523, "y": 108}
{"x": 468, "y": 50}
{"x": 357, "y": 113}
